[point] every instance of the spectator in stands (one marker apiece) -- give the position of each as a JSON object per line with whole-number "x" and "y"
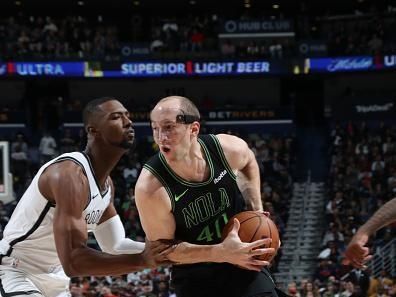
{"x": 157, "y": 45}
{"x": 333, "y": 235}
{"x": 19, "y": 142}
{"x": 106, "y": 292}
{"x": 292, "y": 290}
{"x": 348, "y": 289}
{"x": 324, "y": 270}
{"x": 331, "y": 290}
{"x": 310, "y": 290}
{"x": 375, "y": 44}
{"x": 67, "y": 142}
{"x": 76, "y": 290}
{"x": 197, "y": 38}
{"x": 19, "y": 163}
{"x": 47, "y": 148}
{"x": 361, "y": 281}
{"x": 228, "y": 49}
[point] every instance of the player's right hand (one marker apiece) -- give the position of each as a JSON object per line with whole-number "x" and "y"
{"x": 243, "y": 254}
{"x": 155, "y": 252}
{"x": 356, "y": 253}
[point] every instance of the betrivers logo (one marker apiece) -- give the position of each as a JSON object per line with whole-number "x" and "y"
{"x": 217, "y": 179}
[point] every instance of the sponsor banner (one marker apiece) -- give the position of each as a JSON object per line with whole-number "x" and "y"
{"x": 3, "y": 69}
{"x": 256, "y": 26}
{"x": 390, "y": 61}
{"x": 375, "y": 108}
{"x": 135, "y": 49}
{"x": 312, "y": 48}
{"x": 198, "y": 68}
{"x": 339, "y": 64}
{"x": 229, "y": 115}
{"x": 143, "y": 69}
{"x": 190, "y": 68}
{"x": 255, "y": 114}
{"x": 69, "y": 69}
{"x": 365, "y": 108}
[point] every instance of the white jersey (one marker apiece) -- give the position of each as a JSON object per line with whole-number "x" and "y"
{"x": 28, "y": 240}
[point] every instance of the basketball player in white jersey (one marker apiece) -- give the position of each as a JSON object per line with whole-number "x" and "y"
{"x": 44, "y": 242}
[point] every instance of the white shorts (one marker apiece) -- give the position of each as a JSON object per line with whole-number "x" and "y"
{"x": 16, "y": 282}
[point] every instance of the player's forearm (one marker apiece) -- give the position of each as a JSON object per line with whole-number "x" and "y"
{"x": 111, "y": 238}
{"x": 86, "y": 261}
{"x": 187, "y": 253}
{"x": 249, "y": 184}
{"x": 382, "y": 217}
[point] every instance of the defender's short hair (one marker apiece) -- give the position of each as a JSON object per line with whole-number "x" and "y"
{"x": 92, "y": 108}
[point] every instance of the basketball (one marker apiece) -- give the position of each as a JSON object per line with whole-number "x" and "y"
{"x": 255, "y": 226}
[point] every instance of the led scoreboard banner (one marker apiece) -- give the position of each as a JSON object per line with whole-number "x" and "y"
{"x": 142, "y": 69}
{"x": 349, "y": 64}
{"x": 57, "y": 69}
{"x": 198, "y": 68}
{"x": 194, "y": 68}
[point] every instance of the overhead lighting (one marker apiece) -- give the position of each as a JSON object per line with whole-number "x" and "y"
{"x": 247, "y": 5}
{"x": 136, "y": 3}
{"x": 80, "y": 3}
{"x": 18, "y": 3}
{"x": 275, "y": 6}
{"x": 192, "y": 2}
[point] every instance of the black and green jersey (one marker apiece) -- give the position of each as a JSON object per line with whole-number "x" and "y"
{"x": 201, "y": 209}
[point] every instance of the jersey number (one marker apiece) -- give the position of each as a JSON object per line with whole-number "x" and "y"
{"x": 207, "y": 233}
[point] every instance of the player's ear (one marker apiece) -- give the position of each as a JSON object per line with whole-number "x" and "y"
{"x": 91, "y": 130}
{"x": 195, "y": 128}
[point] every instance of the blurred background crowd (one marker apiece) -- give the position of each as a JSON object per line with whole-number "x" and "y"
{"x": 359, "y": 29}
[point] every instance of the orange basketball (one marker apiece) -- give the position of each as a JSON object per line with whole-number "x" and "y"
{"x": 255, "y": 226}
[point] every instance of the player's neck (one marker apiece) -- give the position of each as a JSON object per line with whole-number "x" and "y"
{"x": 102, "y": 162}
{"x": 192, "y": 166}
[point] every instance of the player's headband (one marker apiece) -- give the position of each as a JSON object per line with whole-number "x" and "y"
{"x": 186, "y": 119}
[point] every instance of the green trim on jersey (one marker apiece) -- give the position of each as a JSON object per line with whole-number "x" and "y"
{"x": 158, "y": 176}
{"x": 185, "y": 182}
{"x": 223, "y": 157}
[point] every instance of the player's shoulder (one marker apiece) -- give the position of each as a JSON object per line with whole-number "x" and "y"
{"x": 63, "y": 171}
{"x": 63, "y": 177}
{"x": 230, "y": 142}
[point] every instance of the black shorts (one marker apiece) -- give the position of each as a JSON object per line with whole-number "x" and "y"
{"x": 218, "y": 280}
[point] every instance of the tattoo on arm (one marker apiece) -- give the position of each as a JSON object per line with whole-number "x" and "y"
{"x": 382, "y": 217}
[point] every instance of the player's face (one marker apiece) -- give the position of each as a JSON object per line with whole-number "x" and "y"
{"x": 171, "y": 137}
{"x": 115, "y": 126}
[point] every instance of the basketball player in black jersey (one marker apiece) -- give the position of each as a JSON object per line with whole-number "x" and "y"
{"x": 189, "y": 191}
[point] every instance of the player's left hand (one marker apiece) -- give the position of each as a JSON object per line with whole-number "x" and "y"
{"x": 156, "y": 252}
{"x": 357, "y": 253}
